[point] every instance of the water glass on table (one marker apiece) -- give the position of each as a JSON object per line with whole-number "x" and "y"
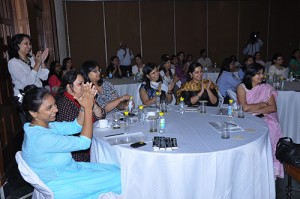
{"x": 225, "y": 133}
{"x": 152, "y": 124}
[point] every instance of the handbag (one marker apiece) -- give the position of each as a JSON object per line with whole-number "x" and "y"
{"x": 288, "y": 152}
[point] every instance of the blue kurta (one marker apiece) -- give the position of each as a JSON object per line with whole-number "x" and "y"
{"x": 47, "y": 151}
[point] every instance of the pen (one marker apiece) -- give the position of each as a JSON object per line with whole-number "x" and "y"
{"x": 114, "y": 135}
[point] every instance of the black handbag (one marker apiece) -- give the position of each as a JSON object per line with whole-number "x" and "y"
{"x": 288, "y": 152}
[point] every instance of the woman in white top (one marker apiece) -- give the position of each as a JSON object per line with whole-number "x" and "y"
{"x": 26, "y": 69}
{"x": 138, "y": 68}
{"x": 276, "y": 68}
{"x": 257, "y": 58}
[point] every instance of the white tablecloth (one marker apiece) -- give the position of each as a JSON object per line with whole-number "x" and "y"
{"x": 126, "y": 86}
{"x": 204, "y": 166}
{"x": 288, "y": 111}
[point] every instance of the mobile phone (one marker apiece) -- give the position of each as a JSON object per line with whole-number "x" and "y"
{"x": 138, "y": 144}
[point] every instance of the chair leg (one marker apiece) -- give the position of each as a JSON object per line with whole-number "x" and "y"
{"x": 289, "y": 187}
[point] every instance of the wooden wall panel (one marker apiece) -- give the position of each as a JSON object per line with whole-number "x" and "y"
{"x": 122, "y": 24}
{"x": 222, "y": 29}
{"x": 86, "y": 32}
{"x": 157, "y": 29}
{"x": 191, "y": 20}
{"x": 284, "y": 21}
{"x": 253, "y": 18}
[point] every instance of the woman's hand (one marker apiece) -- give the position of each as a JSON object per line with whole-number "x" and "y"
{"x": 45, "y": 54}
{"x": 87, "y": 99}
{"x": 38, "y": 58}
{"x": 208, "y": 85}
{"x": 125, "y": 97}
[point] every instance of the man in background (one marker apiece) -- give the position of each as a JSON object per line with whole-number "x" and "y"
{"x": 125, "y": 56}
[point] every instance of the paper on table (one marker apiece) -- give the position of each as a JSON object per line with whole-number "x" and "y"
{"x": 126, "y": 138}
{"x": 218, "y": 126}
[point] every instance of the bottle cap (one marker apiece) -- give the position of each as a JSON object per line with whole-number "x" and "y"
{"x": 141, "y": 106}
{"x": 157, "y": 93}
{"x": 230, "y": 101}
{"x": 181, "y": 99}
{"x": 161, "y": 113}
{"x": 130, "y": 97}
{"x": 126, "y": 113}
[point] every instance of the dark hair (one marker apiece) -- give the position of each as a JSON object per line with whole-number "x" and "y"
{"x": 14, "y": 45}
{"x": 146, "y": 71}
{"x": 164, "y": 56}
{"x": 32, "y": 99}
{"x": 192, "y": 68}
{"x": 68, "y": 78}
{"x": 203, "y": 51}
{"x": 293, "y": 52}
{"x": 138, "y": 55}
{"x": 64, "y": 63}
{"x": 250, "y": 72}
{"x": 275, "y": 56}
{"x": 162, "y": 65}
{"x": 225, "y": 66}
{"x": 87, "y": 67}
{"x": 52, "y": 70}
{"x": 244, "y": 66}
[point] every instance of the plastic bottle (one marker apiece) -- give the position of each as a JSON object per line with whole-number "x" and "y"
{"x": 181, "y": 106}
{"x": 126, "y": 121}
{"x": 291, "y": 76}
{"x": 141, "y": 116}
{"x": 130, "y": 104}
{"x": 230, "y": 108}
{"x": 162, "y": 123}
{"x": 110, "y": 75}
{"x": 128, "y": 74}
{"x": 158, "y": 101}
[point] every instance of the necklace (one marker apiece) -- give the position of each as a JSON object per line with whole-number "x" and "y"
{"x": 26, "y": 62}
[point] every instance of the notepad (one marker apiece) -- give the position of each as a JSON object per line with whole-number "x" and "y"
{"x": 126, "y": 138}
{"x": 232, "y": 125}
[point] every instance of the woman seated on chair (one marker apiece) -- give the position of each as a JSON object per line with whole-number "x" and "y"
{"x": 72, "y": 86}
{"x": 152, "y": 84}
{"x": 259, "y": 99}
{"x": 226, "y": 79}
{"x": 107, "y": 96}
{"x": 47, "y": 148}
{"x": 198, "y": 89}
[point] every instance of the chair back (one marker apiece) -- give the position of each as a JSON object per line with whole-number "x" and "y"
{"x": 41, "y": 191}
{"x": 221, "y": 99}
{"x": 138, "y": 100}
{"x": 232, "y": 95}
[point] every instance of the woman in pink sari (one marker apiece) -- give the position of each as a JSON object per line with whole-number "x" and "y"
{"x": 260, "y": 99}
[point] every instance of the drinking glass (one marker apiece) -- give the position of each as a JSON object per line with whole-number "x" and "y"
{"x": 153, "y": 124}
{"x": 225, "y": 134}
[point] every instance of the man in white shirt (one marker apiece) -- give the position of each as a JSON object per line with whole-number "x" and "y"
{"x": 125, "y": 56}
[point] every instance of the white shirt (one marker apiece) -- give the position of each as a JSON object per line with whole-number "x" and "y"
{"x": 275, "y": 71}
{"x": 136, "y": 70}
{"x": 22, "y": 75}
{"x": 205, "y": 62}
{"x": 125, "y": 61}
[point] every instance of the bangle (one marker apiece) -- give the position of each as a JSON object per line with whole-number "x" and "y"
{"x": 81, "y": 109}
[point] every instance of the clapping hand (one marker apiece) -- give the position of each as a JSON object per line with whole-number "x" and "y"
{"x": 45, "y": 54}
{"x": 208, "y": 85}
{"x": 87, "y": 99}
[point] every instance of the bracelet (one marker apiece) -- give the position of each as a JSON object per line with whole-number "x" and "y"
{"x": 81, "y": 109}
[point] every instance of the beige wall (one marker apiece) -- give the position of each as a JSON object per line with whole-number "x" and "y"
{"x": 158, "y": 27}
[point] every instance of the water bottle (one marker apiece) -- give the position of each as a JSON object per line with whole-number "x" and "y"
{"x": 291, "y": 76}
{"x": 110, "y": 75}
{"x": 128, "y": 74}
{"x": 158, "y": 101}
{"x": 141, "y": 116}
{"x": 230, "y": 108}
{"x": 162, "y": 123}
{"x": 181, "y": 106}
{"x": 126, "y": 121}
{"x": 130, "y": 104}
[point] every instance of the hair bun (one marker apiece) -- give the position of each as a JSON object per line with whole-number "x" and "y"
{"x": 28, "y": 89}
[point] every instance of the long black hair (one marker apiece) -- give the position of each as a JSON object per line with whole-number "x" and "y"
{"x": 86, "y": 68}
{"x": 14, "y": 43}
{"x": 192, "y": 68}
{"x": 225, "y": 66}
{"x": 52, "y": 70}
{"x": 251, "y": 71}
{"x": 33, "y": 97}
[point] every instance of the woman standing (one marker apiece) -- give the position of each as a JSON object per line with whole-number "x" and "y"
{"x": 24, "y": 67}
{"x": 197, "y": 88}
{"x": 46, "y": 147}
{"x": 259, "y": 99}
